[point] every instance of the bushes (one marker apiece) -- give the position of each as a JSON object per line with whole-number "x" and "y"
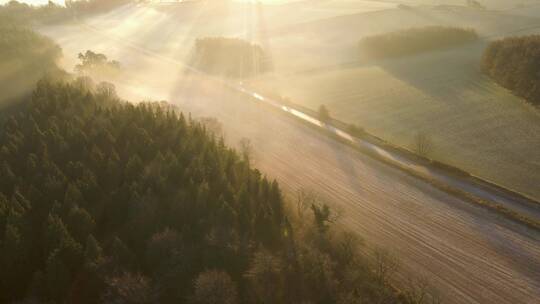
{"x": 414, "y": 40}
{"x": 514, "y": 63}
{"x": 229, "y": 57}
{"x": 97, "y": 65}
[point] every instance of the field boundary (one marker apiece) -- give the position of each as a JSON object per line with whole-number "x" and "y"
{"x": 277, "y": 103}
{"x": 280, "y": 105}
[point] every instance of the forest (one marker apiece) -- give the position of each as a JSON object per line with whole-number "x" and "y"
{"x": 104, "y": 201}
{"x": 25, "y": 57}
{"x": 413, "y": 41}
{"x": 514, "y": 63}
{"x": 229, "y": 57}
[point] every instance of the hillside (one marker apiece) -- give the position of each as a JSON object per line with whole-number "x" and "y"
{"x": 473, "y": 123}
{"x": 102, "y": 201}
{"x": 25, "y": 57}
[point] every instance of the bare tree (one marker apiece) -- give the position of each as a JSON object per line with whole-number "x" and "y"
{"x": 324, "y": 114}
{"x": 386, "y": 265}
{"x": 348, "y": 247}
{"x": 212, "y": 125}
{"x": 304, "y": 200}
{"x": 322, "y": 212}
{"x": 419, "y": 291}
{"x": 423, "y": 144}
{"x": 246, "y": 149}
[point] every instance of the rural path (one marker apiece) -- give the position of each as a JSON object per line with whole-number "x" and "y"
{"x": 471, "y": 255}
{"x": 474, "y": 187}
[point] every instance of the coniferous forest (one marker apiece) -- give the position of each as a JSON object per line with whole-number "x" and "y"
{"x": 102, "y": 201}
{"x": 105, "y": 201}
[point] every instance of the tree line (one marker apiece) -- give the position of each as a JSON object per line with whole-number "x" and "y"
{"x": 229, "y": 57}
{"x": 514, "y": 63}
{"x": 23, "y": 13}
{"x": 415, "y": 40}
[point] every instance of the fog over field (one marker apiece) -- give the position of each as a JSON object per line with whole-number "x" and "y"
{"x": 414, "y": 154}
{"x": 314, "y": 55}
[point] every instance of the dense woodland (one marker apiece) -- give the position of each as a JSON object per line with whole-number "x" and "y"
{"x": 413, "y": 41}
{"x": 229, "y": 57}
{"x": 25, "y": 57}
{"x": 514, "y": 63}
{"x": 105, "y": 201}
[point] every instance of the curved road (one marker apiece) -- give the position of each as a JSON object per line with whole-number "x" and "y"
{"x": 471, "y": 255}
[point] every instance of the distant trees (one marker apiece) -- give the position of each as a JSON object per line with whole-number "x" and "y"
{"x": 229, "y": 57}
{"x": 324, "y": 114}
{"x": 96, "y": 64}
{"x": 423, "y": 144}
{"x": 213, "y": 126}
{"x": 475, "y": 4}
{"x": 21, "y": 13}
{"x": 24, "y": 14}
{"x": 85, "y": 7}
{"x": 414, "y": 40}
{"x": 514, "y": 63}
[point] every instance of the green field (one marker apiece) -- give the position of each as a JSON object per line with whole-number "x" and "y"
{"x": 474, "y": 124}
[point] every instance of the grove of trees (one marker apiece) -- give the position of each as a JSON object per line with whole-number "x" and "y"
{"x": 97, "y": 65}
{"x": 514, "y": 63}
{"x": 229, "y": 57}
{"x": 415, "y": 40}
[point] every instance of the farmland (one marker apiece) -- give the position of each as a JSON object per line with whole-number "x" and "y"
{"x": 472, "y": 255}
{"x": 474, "y": 124}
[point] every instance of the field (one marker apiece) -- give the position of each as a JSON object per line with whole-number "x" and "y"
{"x": 461, "y": 248}
{"x": 474, "y": 124}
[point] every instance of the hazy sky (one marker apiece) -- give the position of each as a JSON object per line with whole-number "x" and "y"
{"x": 34, "y": 1}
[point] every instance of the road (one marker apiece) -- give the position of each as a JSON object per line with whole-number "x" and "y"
{"x": 471, "y": 255}
{"x": 473, "y": 187}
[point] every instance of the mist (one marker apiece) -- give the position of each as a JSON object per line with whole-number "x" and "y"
{"x": 382, "y": 110}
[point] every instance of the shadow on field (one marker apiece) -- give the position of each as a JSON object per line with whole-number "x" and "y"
{"x": 442, "y": 75}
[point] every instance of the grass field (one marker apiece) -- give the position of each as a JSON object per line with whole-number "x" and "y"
{"x": 474, "y": 124}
